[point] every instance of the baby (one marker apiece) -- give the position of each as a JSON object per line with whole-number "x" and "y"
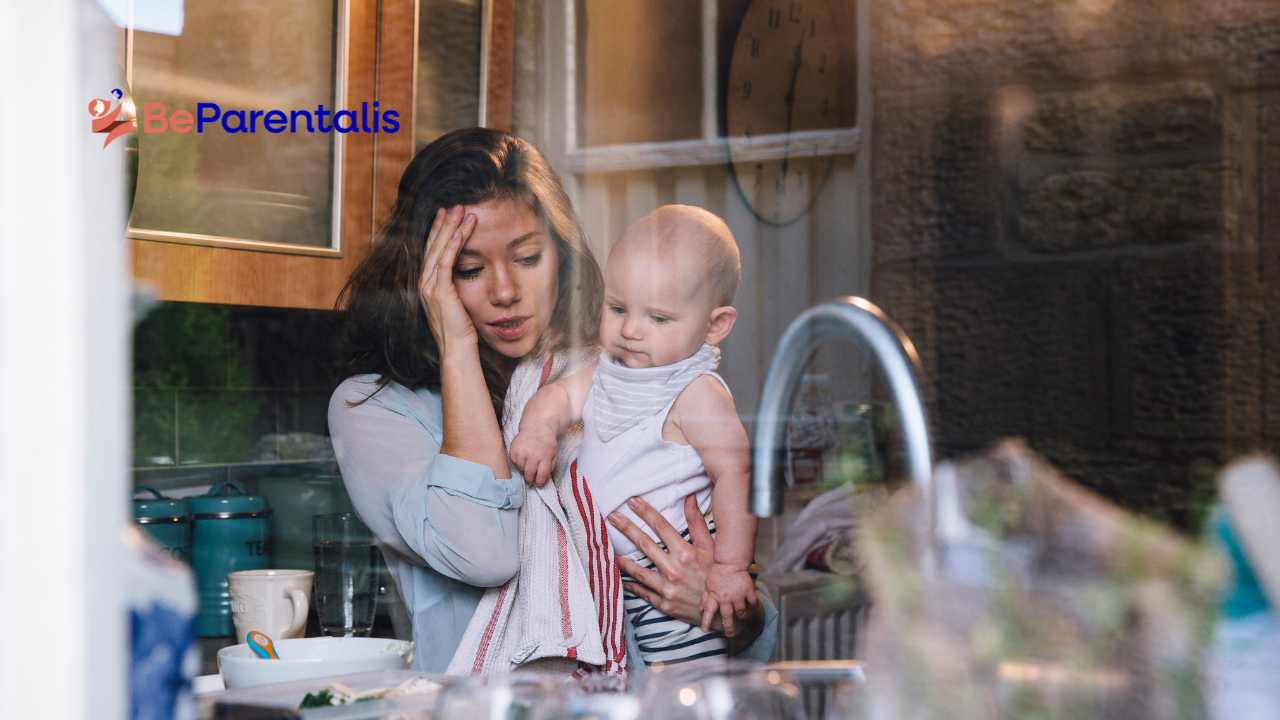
{"x": 658, "y": 422}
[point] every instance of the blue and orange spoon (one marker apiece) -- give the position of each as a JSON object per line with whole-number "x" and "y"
{"x": 261, "y": 644}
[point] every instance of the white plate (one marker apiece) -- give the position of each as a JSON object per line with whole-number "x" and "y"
{"x": 306, "y": 658}
{"x": 287, "y": 696}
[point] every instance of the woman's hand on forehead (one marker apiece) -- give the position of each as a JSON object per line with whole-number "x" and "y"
{"x": 450, "y": 324}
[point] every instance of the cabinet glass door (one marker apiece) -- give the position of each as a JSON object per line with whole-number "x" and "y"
{"x": 238, "y": 144}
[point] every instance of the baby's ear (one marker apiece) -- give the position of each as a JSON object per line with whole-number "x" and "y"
{"x": 722, "y": 320}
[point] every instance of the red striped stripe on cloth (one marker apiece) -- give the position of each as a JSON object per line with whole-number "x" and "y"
{"x": 602, "y": 570}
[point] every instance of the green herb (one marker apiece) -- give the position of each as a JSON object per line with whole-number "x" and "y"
{"x": 315, "y": 700}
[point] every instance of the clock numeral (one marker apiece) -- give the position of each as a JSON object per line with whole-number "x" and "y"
{"x": 826, "y": 106}
{"x": 746, "y": 89}
{"x": 746, "y": 131}
{"x": 822, "y": 62}
{"x": 794, "y": 12}
{"x": 813, "y": 24}
{"x": 755, "y": 47}
{"x": 775, "y": 17}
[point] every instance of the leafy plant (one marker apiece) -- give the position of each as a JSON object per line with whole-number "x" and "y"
{"x": 185, "y": 361}
{"x": 315, "y": 700}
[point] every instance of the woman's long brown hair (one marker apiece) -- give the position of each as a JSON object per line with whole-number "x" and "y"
{"x": 387, "y": 330}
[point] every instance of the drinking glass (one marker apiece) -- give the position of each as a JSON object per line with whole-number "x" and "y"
{"x": 496, "y": 697}
{"x": 721, "y": 691}
{"x": 569, "y": 701}
{"x": 346, "y": 586}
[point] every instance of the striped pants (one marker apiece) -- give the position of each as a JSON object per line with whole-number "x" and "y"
{"x": 663, "y": 638}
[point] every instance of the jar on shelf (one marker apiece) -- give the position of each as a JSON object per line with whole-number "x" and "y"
{"x": 167, "y": 520}
{"x": 232, "y": 531}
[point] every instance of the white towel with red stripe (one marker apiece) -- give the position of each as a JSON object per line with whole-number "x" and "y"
{"x": 563, "y": 609}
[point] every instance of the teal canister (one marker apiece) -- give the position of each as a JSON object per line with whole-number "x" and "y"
{"x": 232, "y": 531}
{"x": 167, "y": 520}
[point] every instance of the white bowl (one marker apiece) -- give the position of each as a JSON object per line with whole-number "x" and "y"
{"x": 306, "y": 658}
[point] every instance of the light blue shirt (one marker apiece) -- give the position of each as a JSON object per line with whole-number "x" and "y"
{"x": 447, "y": 528}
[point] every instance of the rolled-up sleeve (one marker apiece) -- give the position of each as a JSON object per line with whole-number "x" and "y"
{"x": 462, "y": 521}
{"x": 445, "y": 512}
{"x": 761, "y": 649}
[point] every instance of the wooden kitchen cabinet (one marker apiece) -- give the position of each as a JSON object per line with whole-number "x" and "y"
{"x": 383, "y": 64}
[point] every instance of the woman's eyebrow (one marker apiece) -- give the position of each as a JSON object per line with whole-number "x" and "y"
{"x": 510, "y": 246}
{"x": 527, "y": 236}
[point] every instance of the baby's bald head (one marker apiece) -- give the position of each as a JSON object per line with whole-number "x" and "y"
{"x": 693, "y": 239}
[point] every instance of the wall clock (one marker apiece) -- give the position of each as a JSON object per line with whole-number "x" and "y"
{"x": 784, "y": 77}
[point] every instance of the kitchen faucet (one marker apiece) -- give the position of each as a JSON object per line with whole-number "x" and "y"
{"x": 859, "y": 320}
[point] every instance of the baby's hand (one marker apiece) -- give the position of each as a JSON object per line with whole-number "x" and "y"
{"x": 534, "y": 451}
{"x": 729, "y": 590}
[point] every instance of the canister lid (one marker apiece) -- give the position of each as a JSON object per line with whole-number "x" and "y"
{"x": 215, "y": 503}
{"x": 159, "y": 506}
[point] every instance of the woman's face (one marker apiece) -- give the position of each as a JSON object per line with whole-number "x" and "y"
{"x": 507, "y": 276}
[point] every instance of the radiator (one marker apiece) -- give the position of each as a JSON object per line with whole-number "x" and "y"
{"x": 820, "y": 617}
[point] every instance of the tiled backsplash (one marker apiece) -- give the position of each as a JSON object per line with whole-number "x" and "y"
{"x": 221, "y": 391}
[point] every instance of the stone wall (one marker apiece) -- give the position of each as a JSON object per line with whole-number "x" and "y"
{"x": 1069, "y": 218}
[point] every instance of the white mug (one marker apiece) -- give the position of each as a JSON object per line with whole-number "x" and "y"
{"x": 272, "y": 602}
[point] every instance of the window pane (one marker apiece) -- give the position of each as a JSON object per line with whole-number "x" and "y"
{"x": 640, "y": 71}
{"x": 751, "y": 48}
{"x": 256, "y": 184}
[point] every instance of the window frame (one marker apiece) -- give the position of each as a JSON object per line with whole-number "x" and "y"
{"x": 710, "y": 149}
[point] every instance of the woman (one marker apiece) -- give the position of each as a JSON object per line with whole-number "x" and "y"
{"x": 481, "y": 277}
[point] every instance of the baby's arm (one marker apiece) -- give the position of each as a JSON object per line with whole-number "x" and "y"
{"x": 552, "y": 410}
{"x": 709, "y": 421}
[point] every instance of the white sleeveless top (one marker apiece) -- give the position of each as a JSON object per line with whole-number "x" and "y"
{"x": 638, "y": 462}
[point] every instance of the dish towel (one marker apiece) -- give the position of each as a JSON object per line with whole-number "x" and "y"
{"x": 563, "y": 608}
{"x": 823, "y": 520}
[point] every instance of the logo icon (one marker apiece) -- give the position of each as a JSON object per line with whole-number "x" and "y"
{"x": 106, "y": 117}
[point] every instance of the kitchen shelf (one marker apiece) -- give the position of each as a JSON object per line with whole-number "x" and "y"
{"x": 209, "y": 466}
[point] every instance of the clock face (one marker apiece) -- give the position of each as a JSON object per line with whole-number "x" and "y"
{"x": 784, "y": 78}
